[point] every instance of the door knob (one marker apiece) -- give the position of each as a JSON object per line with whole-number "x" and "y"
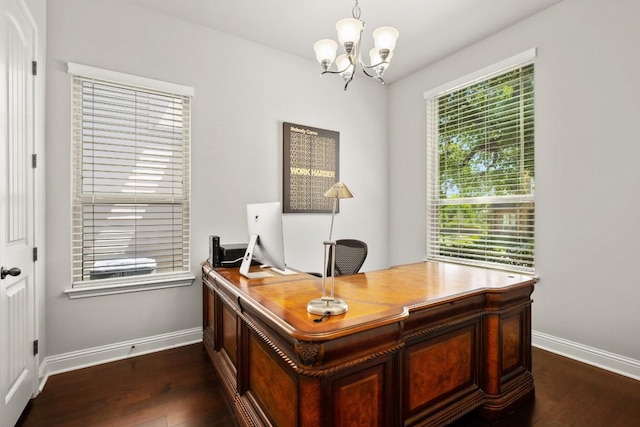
{"x": 15, "y": 271}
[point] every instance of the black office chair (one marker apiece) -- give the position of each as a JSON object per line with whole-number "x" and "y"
{"x": 350, "y": 255}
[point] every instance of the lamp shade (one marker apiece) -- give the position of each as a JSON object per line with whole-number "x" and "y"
{"x": 349, "y": 30}
{"x": 339, "y": 190}
{"x": 374, "y": 55}
{"x": 325, "y": 50}
{"x": 385, "y": 38}
{"x": 344, "y": 64}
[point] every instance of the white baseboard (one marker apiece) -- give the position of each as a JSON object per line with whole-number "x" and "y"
{"x": 108, "y": 353}
{"x": 602, "y": 359}
{"x": 56, "y": 364}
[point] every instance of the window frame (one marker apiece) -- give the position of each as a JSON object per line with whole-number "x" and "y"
{"x": 98, "y": 287}
{"x": 433, "y": 173}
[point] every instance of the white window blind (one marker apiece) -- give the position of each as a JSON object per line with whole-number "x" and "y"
{"x": 481, "y": 176}
{"x": 131, "y": 182}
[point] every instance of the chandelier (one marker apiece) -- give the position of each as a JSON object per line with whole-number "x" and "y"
{"x": 350, "y": 37}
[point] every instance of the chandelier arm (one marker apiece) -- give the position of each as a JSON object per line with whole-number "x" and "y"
{"x": 338, "y": 71}
{"x": 354, "y": 57}
{"x": 371, "y": 75}
{"x": 349, "y": 81}
{"x": 330, "y": 72}
{"x": 364, "y": 70}
{"x": 374, "y": 65}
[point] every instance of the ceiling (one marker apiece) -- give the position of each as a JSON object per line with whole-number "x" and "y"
{"x": 429, "y": 29}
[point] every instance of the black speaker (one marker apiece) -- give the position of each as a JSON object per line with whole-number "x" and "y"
{"x": 214, "y": 251}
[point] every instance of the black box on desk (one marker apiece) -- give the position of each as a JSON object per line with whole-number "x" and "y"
{"x": 231, "y": 254}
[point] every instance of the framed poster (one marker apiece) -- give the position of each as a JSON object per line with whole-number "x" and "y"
{"x": 310, "y": 168}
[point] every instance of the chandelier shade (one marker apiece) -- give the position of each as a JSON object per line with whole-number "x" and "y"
{"x": 349, "y": 30}
{"x": 385, "y": 38}
{"x": 344, "y": 65}
{"x": 377, "y": 62}
{"x": 325, "y": 51}
{"x": 350, "y": 39}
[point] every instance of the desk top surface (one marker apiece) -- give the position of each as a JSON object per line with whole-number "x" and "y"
{"x": 375, "y": 298}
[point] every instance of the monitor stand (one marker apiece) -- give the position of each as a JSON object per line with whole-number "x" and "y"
{"x": 246, "y": 261}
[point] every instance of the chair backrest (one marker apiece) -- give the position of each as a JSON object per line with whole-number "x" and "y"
{"x": 350, "y": 255}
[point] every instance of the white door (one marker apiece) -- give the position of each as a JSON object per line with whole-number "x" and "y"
{"x": 17, "y": 303}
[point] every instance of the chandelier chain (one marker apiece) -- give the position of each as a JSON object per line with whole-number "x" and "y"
{"x": 355, "y": 12}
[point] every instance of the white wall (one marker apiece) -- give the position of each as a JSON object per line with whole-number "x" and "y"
{"x": 587, "y": 228}
{"x": 587, "y": 180}
{"x": 243, "y": 92}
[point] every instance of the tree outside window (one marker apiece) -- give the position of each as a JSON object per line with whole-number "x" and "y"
{"x": 481, "y": 172}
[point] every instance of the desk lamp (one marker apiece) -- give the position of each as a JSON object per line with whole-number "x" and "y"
{"x": 328, "y": 305}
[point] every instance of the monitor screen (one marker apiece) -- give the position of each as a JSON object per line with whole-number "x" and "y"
{"x": 266, "y": 244}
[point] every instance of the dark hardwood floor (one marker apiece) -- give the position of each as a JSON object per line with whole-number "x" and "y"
{"x": 570, "y": 393}
{"x": 178, "y": 387}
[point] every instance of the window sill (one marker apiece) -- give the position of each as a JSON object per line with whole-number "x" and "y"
{"x": 113, "y": 288}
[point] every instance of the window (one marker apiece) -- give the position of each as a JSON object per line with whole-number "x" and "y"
{"x": 480, "y": 171}
{"x": 130, "y": 181}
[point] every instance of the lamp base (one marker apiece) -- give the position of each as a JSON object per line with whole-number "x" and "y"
{"x": 327, "y": 307}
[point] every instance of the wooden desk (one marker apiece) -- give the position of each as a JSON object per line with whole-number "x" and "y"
{"x": 421, "y": 344}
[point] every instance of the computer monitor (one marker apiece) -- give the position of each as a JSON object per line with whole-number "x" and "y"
{"x": 266, "y": 243}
